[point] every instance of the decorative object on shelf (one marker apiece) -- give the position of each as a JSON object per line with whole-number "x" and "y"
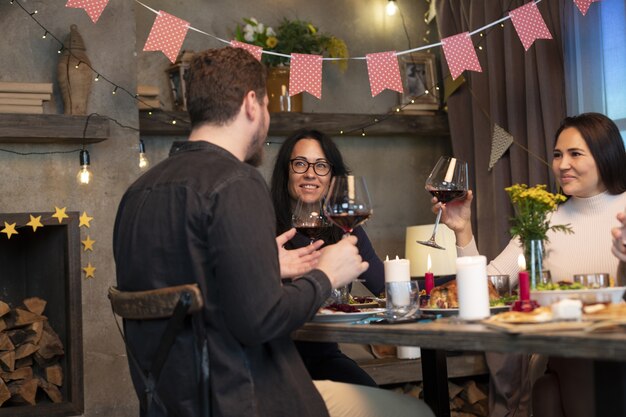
{"x": 176, "y": 74}
{"x": 531, "y": 223}
{"x": 292, "y": 36}
{"x": 418, "y": 81}
{"x": 278, "y": 91}
{"x": 74, "y": 74}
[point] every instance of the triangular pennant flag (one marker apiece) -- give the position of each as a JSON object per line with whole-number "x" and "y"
{"x": 256, "y": 51}
{"x": 305, "y": 74}
{"x": 529, "y": 24}
{"x": 450, "y": 86}
{"x": 583, "y": 5}
{"x": 167, "y": 35}
{"x": 93, "y": 8}
{"x": 460, "y": 54}
{"x": 384, "y": 72}
{"x": 500, "y": 142}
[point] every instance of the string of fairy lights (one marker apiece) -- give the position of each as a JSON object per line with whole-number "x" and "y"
{"x": 84, "y": 176}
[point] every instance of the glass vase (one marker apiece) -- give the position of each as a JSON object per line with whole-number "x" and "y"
{"x": 533, "y": 255}
{"x": 278, "y": 92}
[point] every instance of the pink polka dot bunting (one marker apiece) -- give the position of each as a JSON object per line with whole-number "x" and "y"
{"x": 93, "y": 8}
{"x": 529, "y": 24}
{"x": 256, "y": 51}
{"x": 167, "y": 35}
{"x": 583, "y": 5}
{"x": 460, "y": 54}
{"x": 383, "y": 72}
{"x": 305, "y": 74}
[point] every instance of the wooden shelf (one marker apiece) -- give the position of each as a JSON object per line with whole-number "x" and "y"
{"x": 160, "y": 124}
{"x": 52, "y": 128}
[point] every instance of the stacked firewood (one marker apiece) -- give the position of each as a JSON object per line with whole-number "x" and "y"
{"x": 30, "y": 351}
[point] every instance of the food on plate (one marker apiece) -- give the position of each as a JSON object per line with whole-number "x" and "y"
{"x": 538, "y": 315}
{"x": 605, "y": 311}
{"x": 561, "y": 285}
{"x": 446, "y": 295}
{"x": 338, "y": 308}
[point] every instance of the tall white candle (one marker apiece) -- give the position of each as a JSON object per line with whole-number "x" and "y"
{"x": 397, "y": 270}
{"x": 450, "y": 171}
{"x": 471, "y": 280}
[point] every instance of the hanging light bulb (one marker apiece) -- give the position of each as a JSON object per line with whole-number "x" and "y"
{"x": 84, "y": 175}
{"x": 392, "y": 7}
{"x": 143, "y": 159}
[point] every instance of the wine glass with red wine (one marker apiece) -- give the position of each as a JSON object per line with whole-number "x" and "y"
{"x": 308, "y": 219}
{"x": 448, "y": 182}
{"x": 348, "y": 203}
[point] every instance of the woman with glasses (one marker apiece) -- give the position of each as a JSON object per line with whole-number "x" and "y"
{"x": 305, "y": 164}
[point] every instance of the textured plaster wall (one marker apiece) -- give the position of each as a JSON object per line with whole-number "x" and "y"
{"x": 40, "y": 182}
{"x": 395, "y": 167}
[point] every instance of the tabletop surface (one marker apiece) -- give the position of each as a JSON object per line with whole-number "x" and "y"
{"x": 451, "y": 334}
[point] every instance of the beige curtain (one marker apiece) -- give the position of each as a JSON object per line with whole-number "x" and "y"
{"x": 521, "y": 91}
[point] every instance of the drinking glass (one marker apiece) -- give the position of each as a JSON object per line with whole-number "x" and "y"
{"x": 347, "y": 205}
{"x": 448, "y": 182}
{"x": 309, "y": 219}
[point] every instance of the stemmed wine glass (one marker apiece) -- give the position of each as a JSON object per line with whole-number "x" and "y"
{"x": 309, "y": 219}
{"x": 347, "y": 205}
{"x": 448, "y": 182}
{"x": 348, "y": 202}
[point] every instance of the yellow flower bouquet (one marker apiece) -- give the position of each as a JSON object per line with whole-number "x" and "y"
{"x": 532, "y": 206}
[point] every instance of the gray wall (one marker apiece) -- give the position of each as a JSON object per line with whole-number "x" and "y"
{"x": 395, "y": 167}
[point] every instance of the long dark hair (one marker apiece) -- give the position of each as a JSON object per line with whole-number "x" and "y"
{"x": 606, "y": 145}
{"x": 280, "y": 177}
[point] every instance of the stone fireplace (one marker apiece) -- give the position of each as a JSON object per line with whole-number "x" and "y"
{"x": 45, "y": 263}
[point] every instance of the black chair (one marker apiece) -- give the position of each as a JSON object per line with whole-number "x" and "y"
{"x": 172, "y": 303}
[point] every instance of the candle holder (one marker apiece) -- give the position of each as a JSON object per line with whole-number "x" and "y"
{"x": 524, "y": 306}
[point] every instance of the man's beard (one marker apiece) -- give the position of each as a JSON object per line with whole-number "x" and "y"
{"x": 256, "y": 151}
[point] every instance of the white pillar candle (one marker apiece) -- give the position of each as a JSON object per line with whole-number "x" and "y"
{"x": 397, "y": 269}
{"x": 471, "y": 279}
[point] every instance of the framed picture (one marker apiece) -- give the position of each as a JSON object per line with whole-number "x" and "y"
{"x": 418, "y": 76}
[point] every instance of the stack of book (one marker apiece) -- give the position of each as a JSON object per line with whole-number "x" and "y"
{"x": 24, "y": 97}
{"x": 148, "y": 97}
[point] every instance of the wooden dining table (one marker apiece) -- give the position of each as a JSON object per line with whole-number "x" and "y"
{"x": 607, "y": 349}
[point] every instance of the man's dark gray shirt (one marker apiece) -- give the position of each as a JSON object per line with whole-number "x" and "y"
{"x": 202, "y": 216}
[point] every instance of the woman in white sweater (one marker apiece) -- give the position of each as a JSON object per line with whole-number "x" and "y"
{"x": 589, "y": 163}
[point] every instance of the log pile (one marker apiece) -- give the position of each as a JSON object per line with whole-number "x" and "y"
{"x": 30, "y": 351}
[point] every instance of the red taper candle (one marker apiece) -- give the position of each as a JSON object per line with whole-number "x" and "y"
{"x": 524, "y": 279}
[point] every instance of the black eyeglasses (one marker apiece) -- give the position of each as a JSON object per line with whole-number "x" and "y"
{"x": 300, "y": 166}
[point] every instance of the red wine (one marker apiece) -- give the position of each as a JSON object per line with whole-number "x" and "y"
{"x": 312, "y": 232}
{"x": 348, "y": 221}
{"x": 445, "y": 196}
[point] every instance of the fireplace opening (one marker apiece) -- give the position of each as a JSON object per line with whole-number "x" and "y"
{"x": 44, "y": 264}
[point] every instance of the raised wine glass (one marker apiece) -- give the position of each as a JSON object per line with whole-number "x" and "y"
{"x": 347, "y": 205}
{"x": 309, "y": 219}
{"x": 448, "y": 182}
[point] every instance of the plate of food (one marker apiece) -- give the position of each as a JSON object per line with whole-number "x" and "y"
{"x": 444, "y": 300}
{"x": 561, "y": 291}
{"x": 447, "y": 312}
{"x": 326, "y": 315}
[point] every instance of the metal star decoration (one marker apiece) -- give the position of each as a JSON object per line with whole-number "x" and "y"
{"x": 84, "y": 220}
{"x": 59, "y": 213}
{"x": 9, "y": 230}
{"x": 89, "y": 271}
{"x": 88, "y": 243}
{"x": 34, "y": 222}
